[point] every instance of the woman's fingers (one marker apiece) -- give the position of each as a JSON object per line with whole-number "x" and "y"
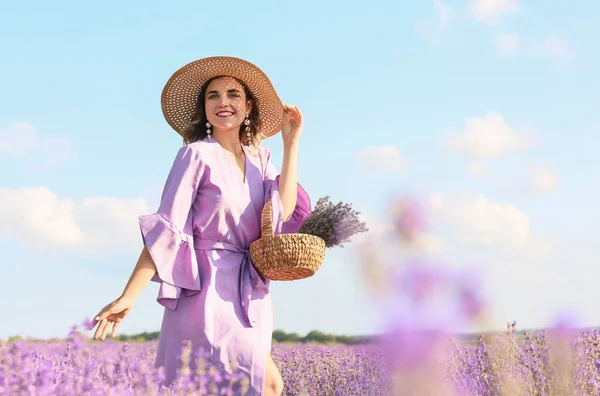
{"x": 103, "y": 314}
{"x": 105, "y": 330}
{"x": 299, "y": 113}
{"x": 293, "y": 113}
{"x": 288, "y": 111}
{"x": 114, "y": 329}
{"x": 100, "y": 328}
{"x": 109, "y": 315}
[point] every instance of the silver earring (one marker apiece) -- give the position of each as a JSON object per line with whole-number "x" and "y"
{"x": 208, "y": 131}
{"x": 248, "y": 134}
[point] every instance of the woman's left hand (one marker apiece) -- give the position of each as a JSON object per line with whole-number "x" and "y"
{"x": 292, "y": 125}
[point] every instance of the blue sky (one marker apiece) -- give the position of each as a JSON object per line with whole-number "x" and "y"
{"x": 485, "y": 110}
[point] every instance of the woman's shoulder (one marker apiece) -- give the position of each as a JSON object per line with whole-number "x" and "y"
{"x": 260, "y": 151}
{"x": 199, "y": 145}
{"x": 201, "y": 148}
{"x": 259, "y": 155}
{"x": 198, "y": 152}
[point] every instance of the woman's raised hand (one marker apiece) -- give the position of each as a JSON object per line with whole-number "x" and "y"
{"x": 292, "y": 125}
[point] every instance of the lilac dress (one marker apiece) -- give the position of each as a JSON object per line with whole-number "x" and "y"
{"x": 199, "y": 239}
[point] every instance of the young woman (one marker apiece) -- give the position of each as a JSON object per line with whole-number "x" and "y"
{"x": 197, "y": 244}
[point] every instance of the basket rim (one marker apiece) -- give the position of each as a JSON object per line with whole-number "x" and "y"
{"x": 286, "y": 236}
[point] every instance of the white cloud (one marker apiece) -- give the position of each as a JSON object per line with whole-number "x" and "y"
{"x": 382, "y": 231}
{"x": 39, "y": 219}
{"x": 543, "y": 180}
{"x": 379, "y": 229}
{"x": 477, "y": 169}
{"x": 479, "y": 221}
{"x": 433, "y": 27}
{"x": 21, "y": 140}
{"x": 429, "y": 242}
{"x": 474, "y": 220}
{"x": 490, "y": 10}
{"x": 383, "y": 158}
{"x": 551, "y": 46}
{"x": 507, "y": 43}
{"x": 539, "y": 180}
{"x": 557, "y": 47}
{"x": 487, "y": 138}
{"x": 436, "y": 201}
{"x": 18, "y": 138}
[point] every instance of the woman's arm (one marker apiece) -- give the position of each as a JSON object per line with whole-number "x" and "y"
{"x": 140, "y": 277}
{"x": 288, "y": 180}
{"x": 116, "y": 311}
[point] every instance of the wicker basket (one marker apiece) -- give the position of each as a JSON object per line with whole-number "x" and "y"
{"x": 285, "y": 257}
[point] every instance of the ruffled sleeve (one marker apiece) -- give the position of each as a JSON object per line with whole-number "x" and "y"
{"x": 303, "y": 206}
{"x": 168, "y": 233}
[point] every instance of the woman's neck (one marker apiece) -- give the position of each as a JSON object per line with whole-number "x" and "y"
{"x": 229, "y": 140}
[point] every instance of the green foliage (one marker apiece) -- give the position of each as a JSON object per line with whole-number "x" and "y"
{"x": 280, "y": 336}
{"x": 318, "y": 337}
{"x": 141, "y": 337}
{"x": 14, "y": 339}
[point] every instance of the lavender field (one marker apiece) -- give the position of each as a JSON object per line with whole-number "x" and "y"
{"x": 558, "y": 362}
{"x": 79, "y": 367}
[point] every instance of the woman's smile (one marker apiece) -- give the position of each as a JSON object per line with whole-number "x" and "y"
{"x": 225, "y": 114}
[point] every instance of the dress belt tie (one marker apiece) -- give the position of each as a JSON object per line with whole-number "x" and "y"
{"x": 248, "y": 278}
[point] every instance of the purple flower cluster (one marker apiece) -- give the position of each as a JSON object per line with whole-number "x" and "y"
{"x": 80, "y": 366}
{"x": 335, "y": 224}
{"x": 331, "y": 370}
{"x": 547, "y": 363}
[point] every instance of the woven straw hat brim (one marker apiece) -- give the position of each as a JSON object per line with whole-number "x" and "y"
{"x": 180, "y": 94}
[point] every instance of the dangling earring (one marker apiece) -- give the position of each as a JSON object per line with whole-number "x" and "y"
{"x": 248, "y": 134}
{"x": 208, "y": 131}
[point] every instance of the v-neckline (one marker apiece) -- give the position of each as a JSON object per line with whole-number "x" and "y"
{"x": 245, "y": 170}
{"x": 243, "y": 173}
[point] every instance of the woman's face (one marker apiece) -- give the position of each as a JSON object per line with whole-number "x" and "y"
{"x": 226, "y": 104}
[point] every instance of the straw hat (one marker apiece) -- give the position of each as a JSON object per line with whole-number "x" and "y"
{"x": 180, "y": 94}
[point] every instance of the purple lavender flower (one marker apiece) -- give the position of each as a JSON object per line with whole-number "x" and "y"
{"x": 407, "y": 217}
{"x": 335, "y": 224}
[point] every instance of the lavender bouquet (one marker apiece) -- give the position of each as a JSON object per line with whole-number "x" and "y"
{"x": 335, "y": 224}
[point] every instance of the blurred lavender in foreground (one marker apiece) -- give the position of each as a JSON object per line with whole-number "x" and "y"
{"x": 423, "y": 304}
{"x": 426, "y": 304}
